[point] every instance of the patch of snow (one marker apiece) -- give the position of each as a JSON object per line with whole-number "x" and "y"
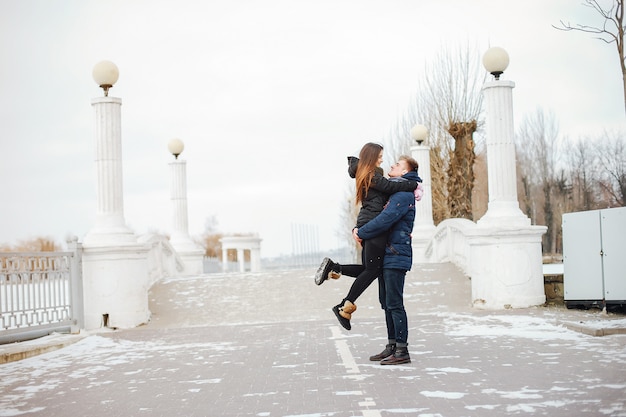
{"x": 260, "y": 394}
{"x": 483, "y": 406}
{"x": 10, "y": 412}
{"x": 528, "y": 327}
{"x": 443, "y": 394}
{"x": 450, "y": 370}
{"x": 202, "y": 381}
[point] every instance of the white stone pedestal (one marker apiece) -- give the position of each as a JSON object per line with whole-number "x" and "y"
{"x": 420, "y": 238}
{"x": 115, "y": 284}
{"x": 505, "y": 250}
{"x": 506, "y": 267}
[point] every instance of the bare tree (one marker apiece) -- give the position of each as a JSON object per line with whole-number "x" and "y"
{"x": 453, "y": 84}
{"x": 480, "y": 193}
{"x": 449, "y": 104}
{"x": 541, "y": 144}
{"x": 211, "y": 238}
{"x": 461, "y": 169}
{"x": 611, "y": 31}
{"x": 525, "y": 178}
{"x": 611, "y": 153}
{"x": 581, "y": 162}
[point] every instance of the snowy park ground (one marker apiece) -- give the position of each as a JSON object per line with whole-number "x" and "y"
{"x": 267, "y": 344}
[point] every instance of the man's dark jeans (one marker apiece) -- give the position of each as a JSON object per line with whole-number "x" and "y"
{"x": 391, "y": 297}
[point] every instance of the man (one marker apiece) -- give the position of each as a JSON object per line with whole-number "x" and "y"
{"x": 397, "y": 217}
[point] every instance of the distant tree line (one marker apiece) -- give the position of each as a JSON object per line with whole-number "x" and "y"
{"x": 558, "y": 175}
{"x": 37, "y": 244}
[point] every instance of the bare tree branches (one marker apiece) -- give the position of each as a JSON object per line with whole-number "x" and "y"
{"x": 613, "y": 17}
{"x": 452, "y": 85}
{"x": 611, "y": 31}
{"x": 582, "y": 167}
{"x": 611, "y": 154}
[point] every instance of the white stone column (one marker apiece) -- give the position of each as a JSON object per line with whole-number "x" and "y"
{"x": 224, "y": 259}
{"x": 178, "y": 195}
{"x": 241, "y": 260}
{"x": 255, "y": 257}
{"x": 503, "y": 208}
{"x": 424, "y": 227}
{"x": 190, "y": 252}
{"x": 424, "y": 208}
{"x": 110, "y": 226}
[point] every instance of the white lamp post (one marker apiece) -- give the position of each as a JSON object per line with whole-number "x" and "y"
{"x": 115, "y": 265}
{"x": 424, "y": 226}
{"x": 180, "y": 235}
{"x": 503, "y": 206}
{"x": 190, "y": 252}
{"x": 505, "y": 250}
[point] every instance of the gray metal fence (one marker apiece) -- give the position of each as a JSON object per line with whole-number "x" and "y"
{"x": 40, "y": 293}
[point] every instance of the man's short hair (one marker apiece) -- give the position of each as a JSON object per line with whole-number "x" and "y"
{"x": 411, "y": 162}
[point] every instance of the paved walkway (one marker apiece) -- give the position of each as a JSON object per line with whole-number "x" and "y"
{"x": 267, "y": 344}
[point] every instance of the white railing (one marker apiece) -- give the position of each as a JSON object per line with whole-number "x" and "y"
{"x": 163, "y": 261}
{"x": 40, "y": 292}
{"x": 450, "y": 243}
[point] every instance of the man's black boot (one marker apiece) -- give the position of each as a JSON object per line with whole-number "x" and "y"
{"x": 400, "y": 356}
{"x": 390, "y": 349}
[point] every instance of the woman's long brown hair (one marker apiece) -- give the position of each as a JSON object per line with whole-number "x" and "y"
{"x": 368, "y": 162}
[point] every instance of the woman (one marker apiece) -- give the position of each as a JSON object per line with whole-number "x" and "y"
{"x": 372, "y": 191}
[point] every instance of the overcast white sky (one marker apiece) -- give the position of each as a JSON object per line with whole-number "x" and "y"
{"x": 268, "y": 96}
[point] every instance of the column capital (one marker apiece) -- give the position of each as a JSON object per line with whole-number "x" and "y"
{"x": 98, "y": 100}
{"x": 499, "y": 83}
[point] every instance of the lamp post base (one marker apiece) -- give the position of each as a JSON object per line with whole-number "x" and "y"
{"x": 421, "y": 237}
{"x": 506, "y": 267}
{"x": 115, "y": 286}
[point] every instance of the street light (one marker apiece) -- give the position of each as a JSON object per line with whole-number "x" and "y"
{"x": 175, "y": 146}
{"x": 105, "y": 74}
{"x": 505, "y": 261}
{"x": 496, "y": 60}
{"x": 419, "y": 133}
{"x": 423, "y": 227}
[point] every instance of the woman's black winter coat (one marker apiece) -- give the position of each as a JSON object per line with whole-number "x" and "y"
{"x": 378, "y": 194}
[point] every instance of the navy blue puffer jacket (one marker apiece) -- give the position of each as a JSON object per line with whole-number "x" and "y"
{"x": 397, "y": 217}
{"x": 379, "y": 192}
